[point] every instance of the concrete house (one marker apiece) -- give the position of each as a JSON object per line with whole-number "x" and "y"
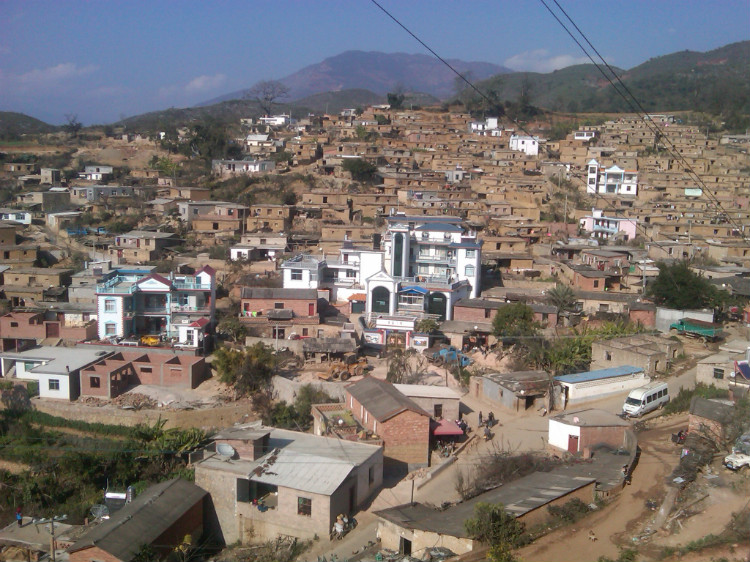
{"x": 139, "y": 246}
{"x": 517, "y": 391}
{"x": 259, "y": 490}
{"x": 710, "y": 417}
{"x": 279, "y": 312}
{"x": 161, "y": 516}
{"x": 654, "y": 354}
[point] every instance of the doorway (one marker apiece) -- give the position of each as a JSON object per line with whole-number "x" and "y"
{"x": 572, "y": 444}
{"x": 404, "y": 546}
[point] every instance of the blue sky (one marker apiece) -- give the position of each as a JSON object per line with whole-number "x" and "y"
{"x": 105, "y": 59}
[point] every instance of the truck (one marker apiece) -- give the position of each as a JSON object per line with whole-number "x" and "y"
{"x": 708, "y": 331}
{"x": 449, "y": 355}
{"x": 740, "y": 455}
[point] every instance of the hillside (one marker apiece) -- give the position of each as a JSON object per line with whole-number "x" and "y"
{"x": 717, "y": 81}
{"x": 377, "y": 72}
{"x": 14, "y": 124}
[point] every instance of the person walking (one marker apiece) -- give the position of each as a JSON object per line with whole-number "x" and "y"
{"x": 19, "y": 517}
{"x": 480, "y": 418}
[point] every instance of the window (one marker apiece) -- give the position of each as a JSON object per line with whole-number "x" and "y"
{"x": 54, "y": 384}
{"x": 95, "y": 382}
{"x": 471, "y": 254}
{"x": 146, "y": 369}
{"x": 296, "y": 275}
{"x": 607, "y": 356}
{"x": 469, "y": 271}
{"x": 371, "y": 476}
{"x": 718, "y": 373}
{"x": 14, "y": 324}
{"x": 278, "y": 305}
{"x": 438, "y": 411}
{"x": 304, "y": 506}
{"x": 305, "y": 332}
{"x": 596, "y": 283}
{"x": 110, "y": 329}
{"x": 110, "y": 305}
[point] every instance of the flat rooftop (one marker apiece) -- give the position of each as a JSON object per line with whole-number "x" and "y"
{"x": 58, "y": 360}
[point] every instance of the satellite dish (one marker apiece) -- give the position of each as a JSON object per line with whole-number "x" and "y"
{"x": 99, "y": 511}
{"x": 225, "y": 450}
{"x": 575, "y": 419}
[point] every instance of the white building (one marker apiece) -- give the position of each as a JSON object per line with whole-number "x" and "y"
{"x": 525, "y": 143}
{"x": 15, "y": 215}
{"x": 487, "y": 128}
{"x": 604, "y": 227}
{"x": 228, "y": 168}
{"x": 430, "y": 263}
{"x": 584, "y": 135}
{"x": 276, "y": 120}
{"x": 611, "y": 181}
{"x": 96, "y": 173}
{"x": 57, "y": 369}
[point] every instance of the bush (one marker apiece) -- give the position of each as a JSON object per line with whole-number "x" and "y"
{"x": 570, "y": 511}
{"x": 681, "y": 402}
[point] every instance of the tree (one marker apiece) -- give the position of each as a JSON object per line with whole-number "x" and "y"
{"x": 232, "y": 327}
{"x": 396, "y": 100}
{"x": 678, "y": 287}
{"x": 73, "y": 125}
{"x": 513, "y": 322}
{"x": 563, "y": 297}
{"x": 248, "y": 371}
{"x": 427, "y": 326}
{"x": 405, "y": 367}
{"x": 266, "y": 93}
{"x": 361, "y": 170}
{"x": 494, "y": 526}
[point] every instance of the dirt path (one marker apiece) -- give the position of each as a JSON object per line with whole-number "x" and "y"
{"x": 13, "y": 467}
{"x": 615, "y": 524}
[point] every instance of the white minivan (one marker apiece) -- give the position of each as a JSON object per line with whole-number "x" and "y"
{"x": 645, "y": 399}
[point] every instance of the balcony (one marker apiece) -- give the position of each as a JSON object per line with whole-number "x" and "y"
{"x": 191, "y": 286}
{"x": 436, "y": 258}
{"x": 188, "y": 309}
{"x": 147, "y": 311}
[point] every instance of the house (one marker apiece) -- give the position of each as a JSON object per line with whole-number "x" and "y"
{"x": 258, "y": 247}
{"x": 96, "y": 173}
{"x": 403, "y": 426}
{"x": 605, "y": 227}
{"x": 56, "y": 369}
{"x": 15, "y": 216}
{"x": 259, "y": 490}
{"x": 163, "y": 516}
{"x": 718, "y": 369}
{"x": 415, "y": 528}
{"x": 19, "y": 330}
{"x": 248, "y": 166}
{"x": 710, "y": 417}
{"x": 611, "y": 181}
{"x": 114, "y": 374}
{"x": 430, "y": 263}
{"x": 654, "y": 354}
{"x": 279, "y": 312}
{"x": 94, "y": 193}
{"x": 581, "y": 431}
{"x": 140, "y": 246}
{"x": 303, "y": 271}
{"x": 181, "y": 307}
{"x": 594, "y": 385}
{"x": 483, "y": 310}
{"x": 53, "y": 200}
{"x": 525, "y": 143}
{"x": 442, "y": 401}
{"x": 518, "y": 391}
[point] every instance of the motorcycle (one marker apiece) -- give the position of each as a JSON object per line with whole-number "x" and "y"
{"x": 342, "y": 526}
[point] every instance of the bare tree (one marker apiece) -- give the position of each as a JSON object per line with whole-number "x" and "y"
{"x": 266, "y": 93}
{"x": 73, "y": 125}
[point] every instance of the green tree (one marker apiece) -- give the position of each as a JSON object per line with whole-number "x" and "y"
{"x": 361, "y": 170}
{"x": 563, "y": 297}
{"x": 232, "y": 327}
{"x": 678, "y": 287}
{"x": 248, "y": 371}
{"x": 497, "y": 528}
{"x": 396, "y": 100}
{"x": 513, "y": 322}
{"x": 427, "y": 326}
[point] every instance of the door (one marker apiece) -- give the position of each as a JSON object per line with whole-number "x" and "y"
{"x": 352, "y": 500}
{"x": 311, "y": 309}
{"x": 572, "y": 443}
{"x": 404, "y": 546}
{"x": 52, "y": 330}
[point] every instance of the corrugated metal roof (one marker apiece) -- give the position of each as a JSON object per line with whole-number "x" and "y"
{"x": 381, "y": 399}
{"x": 620, "y": 371}
{"x": 301, "y": 471}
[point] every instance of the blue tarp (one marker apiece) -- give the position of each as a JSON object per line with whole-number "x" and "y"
{"x": 414, "y": 289}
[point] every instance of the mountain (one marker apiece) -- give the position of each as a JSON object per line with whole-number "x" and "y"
{"x": 14, "y": 124}
{"x": 717, "y": 81}
{"x": 378, "y": 72}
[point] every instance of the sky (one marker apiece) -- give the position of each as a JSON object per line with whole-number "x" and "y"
{"x": 102, "y": 60}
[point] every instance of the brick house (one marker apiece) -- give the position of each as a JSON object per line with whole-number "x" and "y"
{"x": 302, "y": 482}
{"x": 162, "y": 516}
{"x": 140, "y": 246}
{"x": 483, "y": 310}
{"x": 112, "y": 376}
{"x": 403, "y": 426}
{"x": 279, "y": 312}
{"x": 582, "y": 430}
{"x": 21, "y": 329}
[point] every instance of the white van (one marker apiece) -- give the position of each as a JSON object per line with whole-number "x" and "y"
{"x": 645, "y": 399}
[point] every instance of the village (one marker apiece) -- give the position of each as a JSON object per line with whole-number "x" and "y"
{"x": 476, "y": 314}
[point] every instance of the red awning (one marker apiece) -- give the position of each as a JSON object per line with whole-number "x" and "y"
{"x": 445, "y": 428}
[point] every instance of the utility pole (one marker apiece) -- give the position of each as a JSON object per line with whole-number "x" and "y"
{"x": 51, "y": 530}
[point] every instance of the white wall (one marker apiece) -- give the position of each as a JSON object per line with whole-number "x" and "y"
{"x": 667, "y": 316}
{"x": 45, "y": 392}
{"x": 559, "y": 432}
{"x": 105, "y": 318}
{"x": 594, "y": 390}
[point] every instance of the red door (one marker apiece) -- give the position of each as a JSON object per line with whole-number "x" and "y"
{"x": 311, "y": 309}
{"x": 572, "y": 443}
{"x": 52, "y": 330}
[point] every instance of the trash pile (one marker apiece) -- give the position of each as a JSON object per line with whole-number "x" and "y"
{"x": 697, "y": 452}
